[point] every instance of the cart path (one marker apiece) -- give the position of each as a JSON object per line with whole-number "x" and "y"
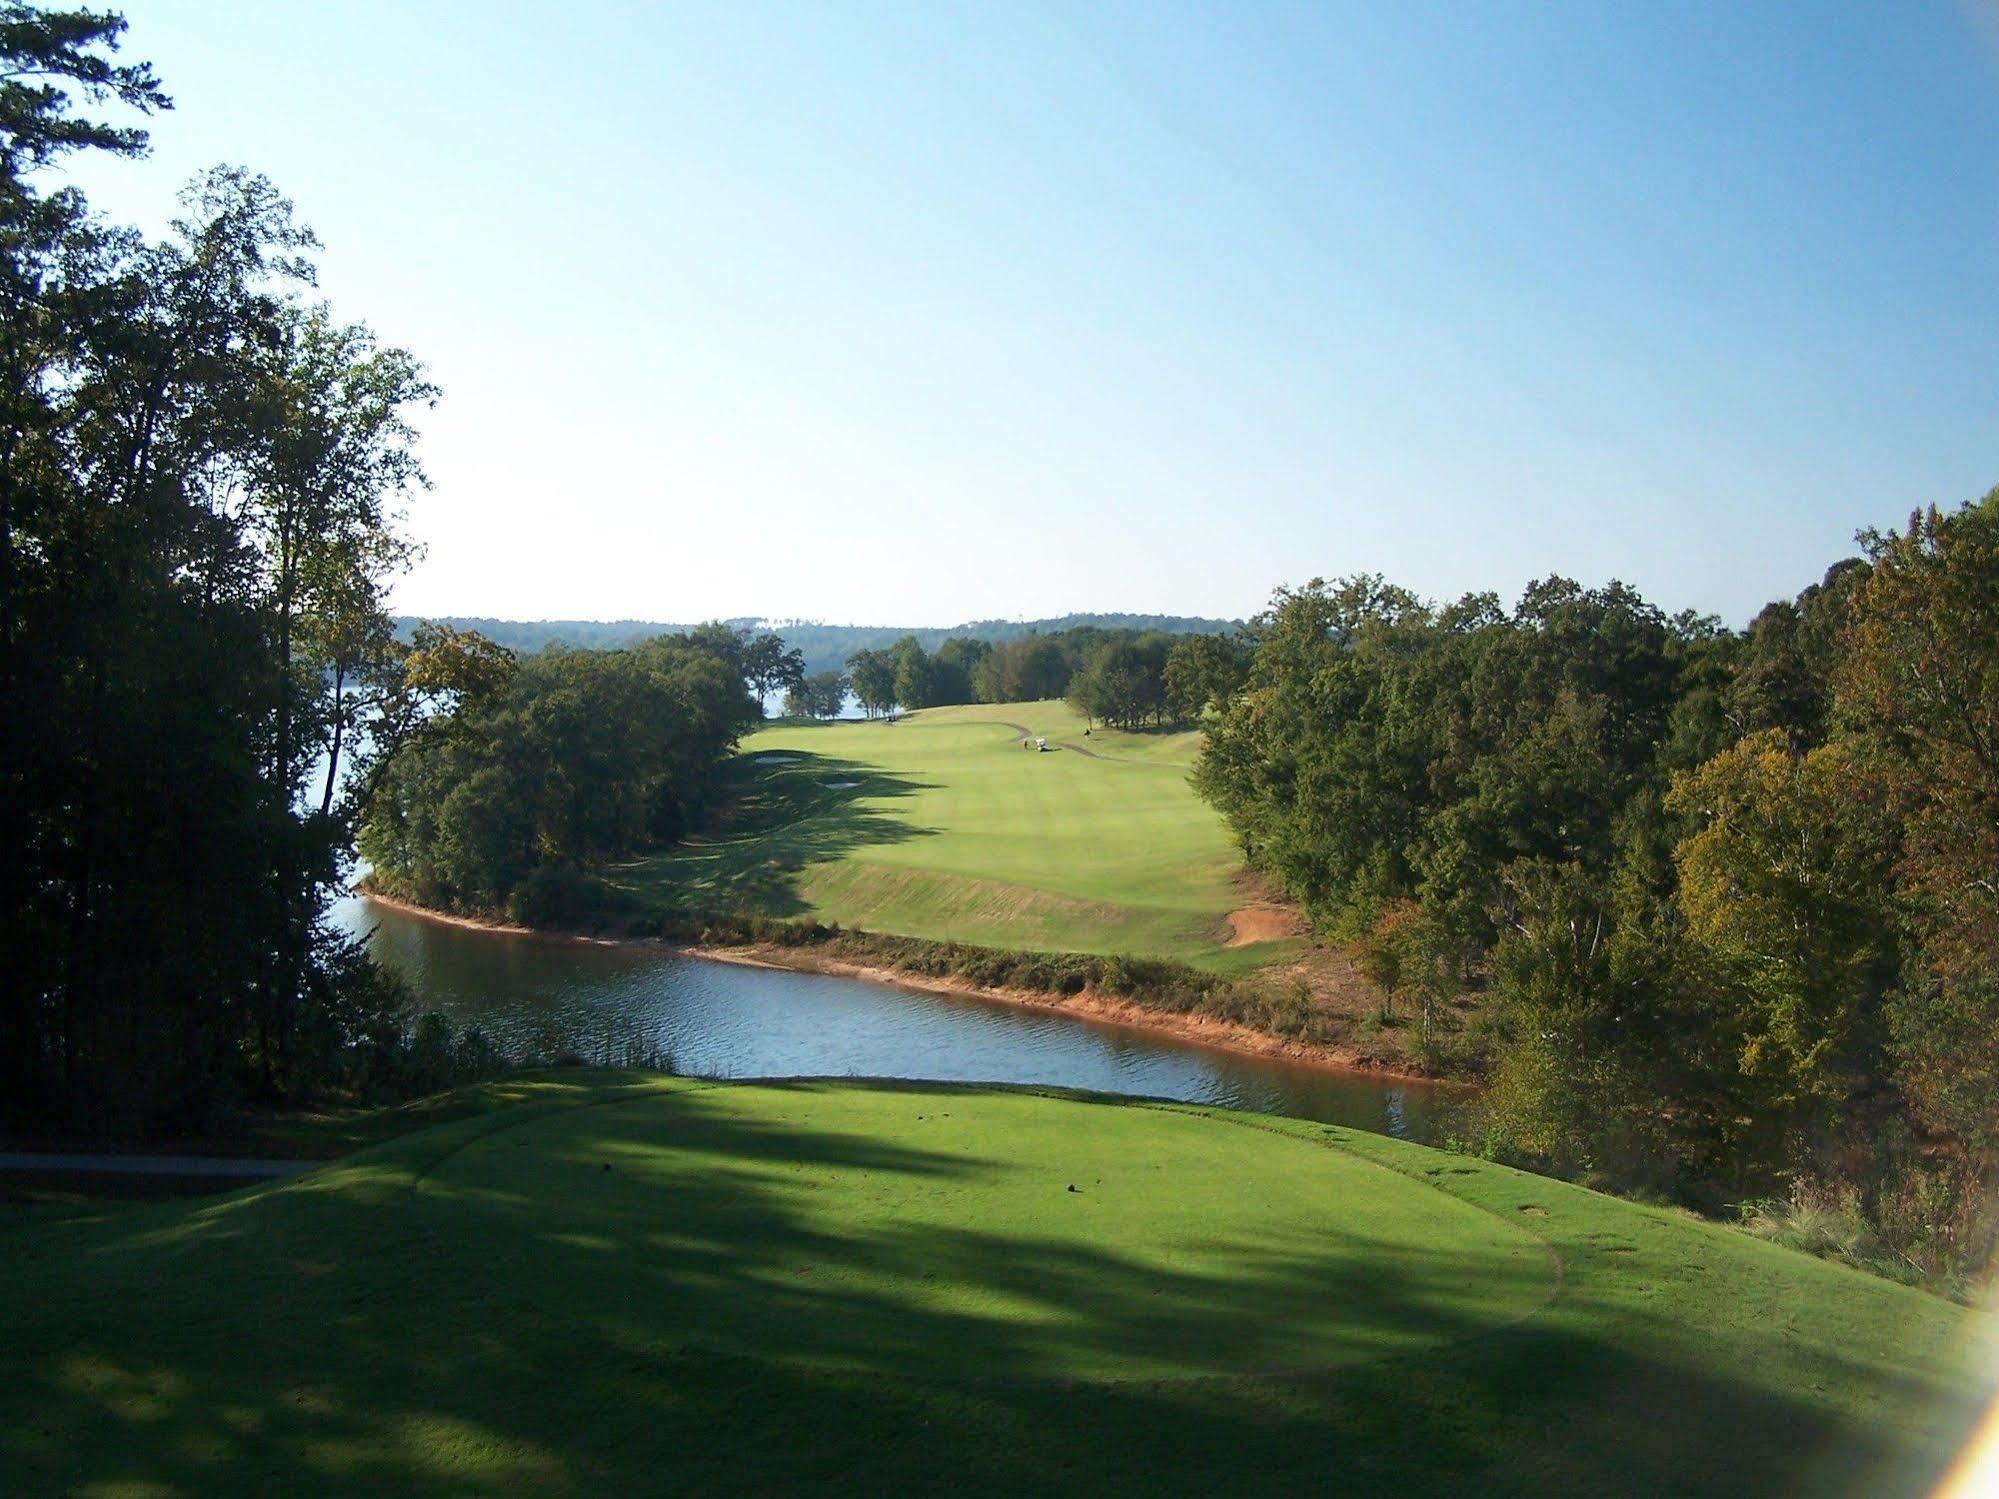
{"x": 1022, "y": 733}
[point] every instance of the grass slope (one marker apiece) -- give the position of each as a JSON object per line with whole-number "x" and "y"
{"x": 615, "y": 1283}
{"x": 940, "y": 826}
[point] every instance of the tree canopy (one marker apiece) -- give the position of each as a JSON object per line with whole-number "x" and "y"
{"x": 1727, "y": 897}
{"x": 573, "y": 760}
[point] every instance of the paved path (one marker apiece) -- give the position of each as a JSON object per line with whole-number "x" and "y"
{"x": 152, "y": 1165}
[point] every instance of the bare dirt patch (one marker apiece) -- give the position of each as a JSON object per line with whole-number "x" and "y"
{"x": 1263, "y": 924}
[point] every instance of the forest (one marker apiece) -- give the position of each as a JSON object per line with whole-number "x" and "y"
{"x": 1710, "y": 910}
{"x": 578, "y": 758}
{"x": 202, "y": 467}
{"x": 823, "y": 647}
{"x": 1129, "y": 678}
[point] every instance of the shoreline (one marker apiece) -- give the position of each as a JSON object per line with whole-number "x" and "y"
{"x": 1202, "y": 1030}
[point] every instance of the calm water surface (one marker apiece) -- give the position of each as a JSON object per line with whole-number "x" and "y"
{"x": 723, "y": 1020}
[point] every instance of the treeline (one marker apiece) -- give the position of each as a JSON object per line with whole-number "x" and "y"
{"x": 199, "y": 687}
{"x": 822, "y": 647}
{"x": 1729, "y": 901}
{"x": 1130, "y": 678}
{"x": 579, "y": 758}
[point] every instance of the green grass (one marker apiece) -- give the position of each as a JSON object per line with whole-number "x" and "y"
{"x": 596, "y": 1283}
{"x": 951, "y": 831}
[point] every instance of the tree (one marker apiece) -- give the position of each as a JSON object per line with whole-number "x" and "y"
{"x": 1601, "y": 1064}
{"x": 768, "y": 666}
{"x": 195, "y": 530}
{"x": 913, "y": 676}
{"x": 725, "y": 642}
{"x": 143, "y": 647}
{"x": 1785, "y": 881}
{"x": 1921, "y": 682}
{"x": 827, "y": 693}
{"x": 36, "y": 125}
{"x": 1122, "y": 681}
{"x": 953, "y": 668}
{"x": 1323, "y": 786}
{"x": 401, "y": 693}
{"x": 1784, "y": 678}
{"x": 511, "y": 797}
{"x": 55, "y": 266}
{"x": 1203, "y": 672}
{"x": 1022, "y": 671}
{"x": 331, "y": 450}
{"x": 1409, "y": 955}
{"x": 872, "y": 674}
{"x": 821, "y": 695}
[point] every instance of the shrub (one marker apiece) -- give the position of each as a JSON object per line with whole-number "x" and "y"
{"x": 559, "y": 896}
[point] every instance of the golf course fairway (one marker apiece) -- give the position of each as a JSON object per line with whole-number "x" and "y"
{"x": 582, "y": 1283}
{"x": 945, "y": 825}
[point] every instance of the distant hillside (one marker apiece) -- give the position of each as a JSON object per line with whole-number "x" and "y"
{"x": 825, "y": 647}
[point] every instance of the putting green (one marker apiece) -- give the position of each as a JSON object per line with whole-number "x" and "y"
{"x": 923, "y": 1232}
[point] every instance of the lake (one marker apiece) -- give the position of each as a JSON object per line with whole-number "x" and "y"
{"x": 724, "y": 1020}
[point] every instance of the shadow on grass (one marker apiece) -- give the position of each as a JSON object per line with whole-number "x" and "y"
{"x": 543, "y": 1330}
{"x": 784, "y": 811}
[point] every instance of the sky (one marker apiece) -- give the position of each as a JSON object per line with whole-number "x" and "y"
{"x": 918, "y": 314}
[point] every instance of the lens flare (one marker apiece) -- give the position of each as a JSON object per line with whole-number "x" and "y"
{"x": 1975, "y": 1474}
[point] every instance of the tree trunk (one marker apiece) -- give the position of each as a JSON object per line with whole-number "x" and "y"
{"x": 339, "y": 733}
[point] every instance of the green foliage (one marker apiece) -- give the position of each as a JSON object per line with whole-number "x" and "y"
{"x": 1921, "y": 683}
{"x": 953, "y": 667}
{"x": 915, "y": 686}
{"x": 824, "y": 647}
{"x": 1784, "y": 881}
{"x": 906, "y": 675}
{"x": 872, "y": 675}
{"x": 1123, "y": 682}
{"x": 581, "y": 757}
{"x": 1922, "y": 1221}
{"x": 1024, "y": 671}
{"x": 822, "y": 695}
{"x": 1203, "y": 672}
{"x": 768, "y": 665}
{"x": 1784, "y": 680}
{"x": 562, "y": 897}
{"x": 1602, "y": 1053}
{"x": 1730, "y": 898}
{"x": 199, "y": 469}
{"x": 45, "y": 53}
{"x": 365, "y": 1042}
{"x": 1410, "y": 955}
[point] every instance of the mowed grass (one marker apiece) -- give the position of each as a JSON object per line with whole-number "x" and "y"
{"x": 942, "y": 826}
{"x": 619, "y": 1283}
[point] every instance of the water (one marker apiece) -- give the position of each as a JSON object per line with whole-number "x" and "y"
{"x": 725, "y": 1020}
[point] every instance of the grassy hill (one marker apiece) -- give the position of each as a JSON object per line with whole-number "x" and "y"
{"x": 941, "y": 826}
{"x": 597, "y": 1283}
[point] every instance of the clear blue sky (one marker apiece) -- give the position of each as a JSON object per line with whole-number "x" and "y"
{"x": 917, "y": 314}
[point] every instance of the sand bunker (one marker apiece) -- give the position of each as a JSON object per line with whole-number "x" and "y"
{"x": 1262, "y": 924}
